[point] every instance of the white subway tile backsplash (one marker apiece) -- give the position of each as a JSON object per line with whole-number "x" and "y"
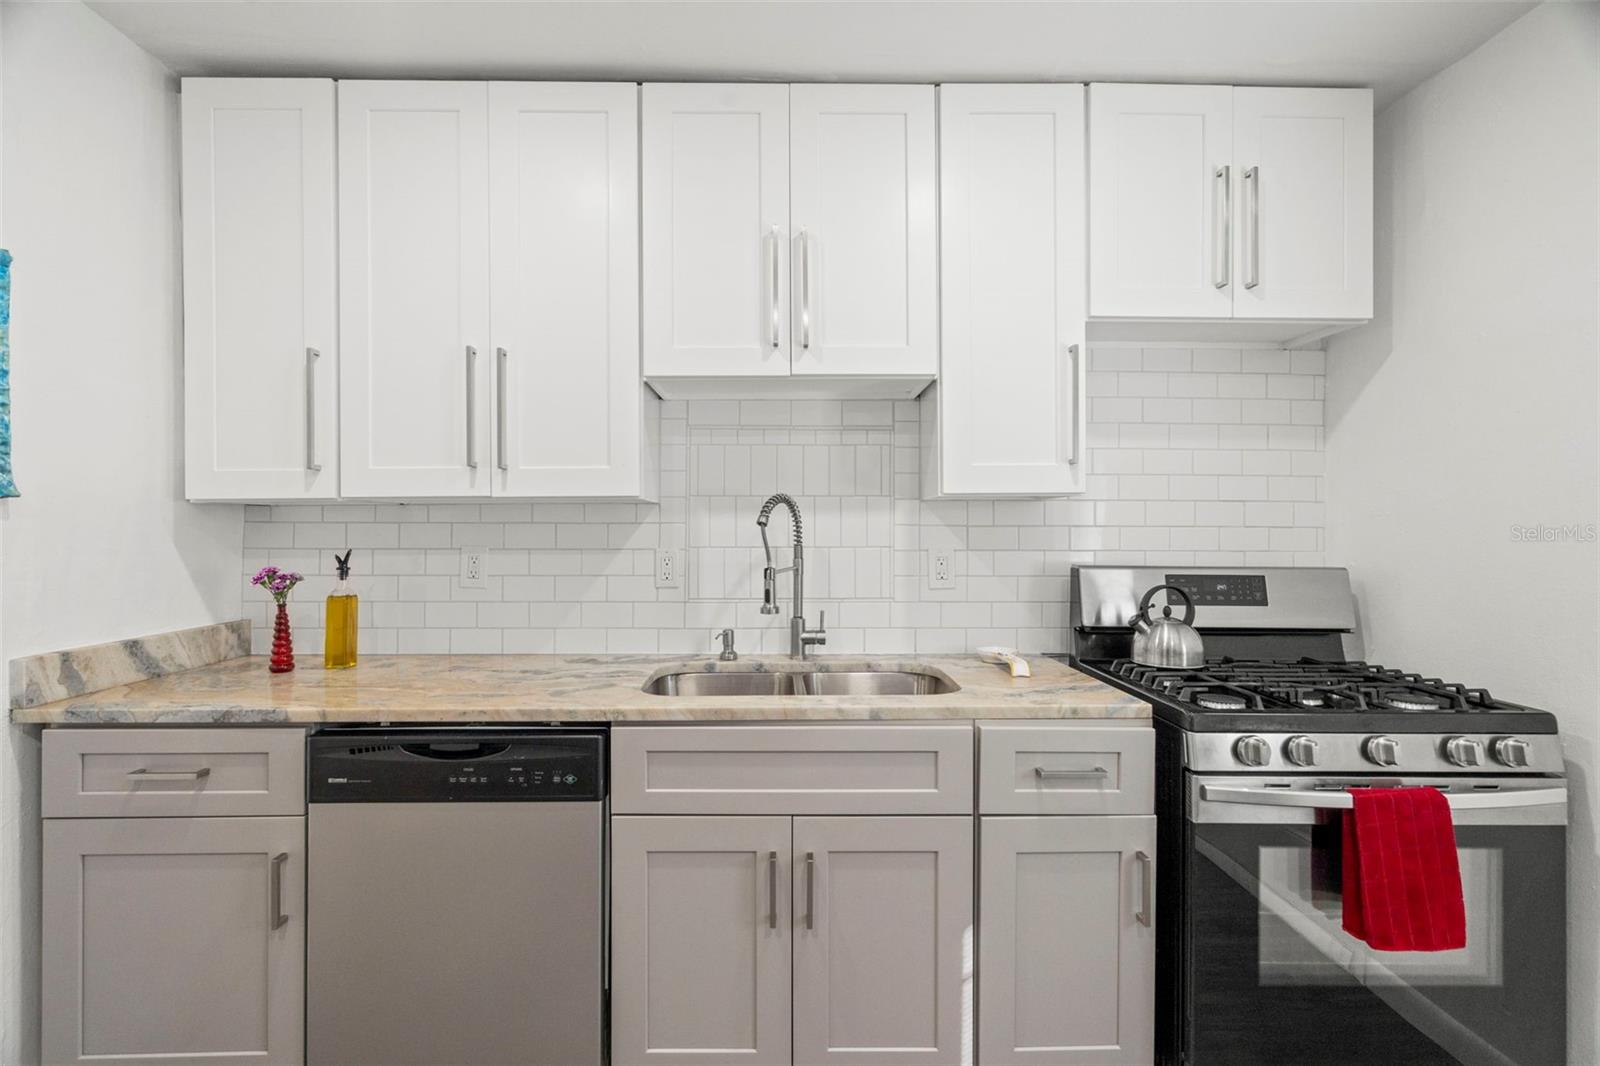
{"x": 1202, "y": 457}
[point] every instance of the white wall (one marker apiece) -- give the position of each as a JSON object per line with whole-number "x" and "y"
{"x": 100, "y": 545}
{"x": 1469, "y": 406}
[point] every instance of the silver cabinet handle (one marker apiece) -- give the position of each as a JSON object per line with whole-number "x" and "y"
{"x": 1073, "y": 356}
{"x": 811, "y": 890}
{"x": 772, "y": 890}
{"x": 472, "y": 408}
{"x": 312, "y": 355}
{"x": 1147, "y": 881}
{"x": 500, "y": 409}
{"x": 1222, "y": 232}
{"x": 1045, "y": 773}
{"x": 805, "y": 290}
{"x": 193, "y": 775}
{"x": 279, "y": 919}
{"x": 773, "y": 269}
{"x": 1252, "y": 263}
{"x": 1339, "y": 799}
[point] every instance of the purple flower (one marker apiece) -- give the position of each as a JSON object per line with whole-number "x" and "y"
{"x": 277, "y": 582}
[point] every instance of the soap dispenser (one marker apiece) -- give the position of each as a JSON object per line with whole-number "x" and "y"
{"x": 339, "y": 642}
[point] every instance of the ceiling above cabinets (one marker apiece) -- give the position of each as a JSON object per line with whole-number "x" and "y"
{"x": 442, "y": 290}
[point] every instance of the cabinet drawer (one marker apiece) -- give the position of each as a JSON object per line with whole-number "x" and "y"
{"x": 1065, "y": 769}
{"x": 812, "y": 769}
{"x": 166, "y": 773}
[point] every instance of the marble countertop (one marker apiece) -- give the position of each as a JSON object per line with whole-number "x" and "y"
{"x": 540, "y": 688}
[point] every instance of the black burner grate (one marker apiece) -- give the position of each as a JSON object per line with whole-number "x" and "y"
{"x": 1307, "y": 686}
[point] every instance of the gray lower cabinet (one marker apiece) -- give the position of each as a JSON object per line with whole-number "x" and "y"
{"x": 1066, "y": 941}
{"x": 174, "y": 940}
{"x": 883, "y": 934}
{"x": 700, "y": 950}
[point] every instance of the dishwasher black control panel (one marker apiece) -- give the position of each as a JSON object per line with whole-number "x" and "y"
{"x": 456, "y": 766}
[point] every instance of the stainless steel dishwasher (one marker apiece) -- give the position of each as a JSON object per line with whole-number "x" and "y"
{"x": 454, "y": 908}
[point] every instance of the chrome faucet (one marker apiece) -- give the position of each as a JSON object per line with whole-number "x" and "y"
{"x": 800, "y": 638}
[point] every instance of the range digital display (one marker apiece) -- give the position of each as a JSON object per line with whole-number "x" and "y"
{"x": 1223, "y": 590}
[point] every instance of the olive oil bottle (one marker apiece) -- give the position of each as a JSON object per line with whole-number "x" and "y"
{"x": 339, "y": 643}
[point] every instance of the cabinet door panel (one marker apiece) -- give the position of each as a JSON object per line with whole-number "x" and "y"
{"x": 1158, "y": 210}
{"x": 883, "y": 933}
{"x": 1011, "y": 397}
{"x": 159, "y": 944}
{"x": 259, "y": 289}
{"x": 1066, "y": 967}
{"x": 862, "y": 211}
{"x": 413, "y": 275}
{"x": 716, "y": 217}
{"x": 1304, "y": 230}
{"x": 700, "y": 940}
{"x": 565, "y": 276}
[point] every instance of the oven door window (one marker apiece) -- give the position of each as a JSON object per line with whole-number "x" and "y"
{"x": 1275, "y": 979}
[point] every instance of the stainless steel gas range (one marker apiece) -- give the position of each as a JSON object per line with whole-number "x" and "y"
{"x": 1258, "y": 749}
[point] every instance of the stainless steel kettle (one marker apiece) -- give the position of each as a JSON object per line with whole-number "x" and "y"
{"x": 1166, "y": 641}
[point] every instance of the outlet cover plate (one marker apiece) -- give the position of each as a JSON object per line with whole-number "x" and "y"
{"x": 472, "y": 569}
{"x": 669, "y": 568}
{"x": 941, "y": 568}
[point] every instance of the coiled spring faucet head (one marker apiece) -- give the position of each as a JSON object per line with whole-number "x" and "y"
{"x": 769, "y": 576}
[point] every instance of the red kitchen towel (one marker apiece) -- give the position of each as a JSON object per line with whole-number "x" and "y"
{"x": 1402, "y": 876}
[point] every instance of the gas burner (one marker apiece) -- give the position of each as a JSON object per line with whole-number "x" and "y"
{"x": 1212, "y": 701}
{"x": 1311, "y": 701}
{"x": 1410, "y": 701}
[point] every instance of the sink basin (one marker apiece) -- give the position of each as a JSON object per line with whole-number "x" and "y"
{"x": 798, "y": 683}
{"x": 871, "y": 683}
{"x": 731, "y": 683}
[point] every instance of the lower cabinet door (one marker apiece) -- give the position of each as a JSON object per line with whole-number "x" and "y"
{"x": 700, "y": 940}
{"x": 174, "y": 940}
{"x": 883, "y": 940}
{"x": 1066, "y": 942}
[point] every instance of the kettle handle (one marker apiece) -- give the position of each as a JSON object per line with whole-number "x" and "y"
{"x": 1188, "y": 603}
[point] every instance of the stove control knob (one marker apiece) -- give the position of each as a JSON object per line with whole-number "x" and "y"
{"x": 1381, "y": 751}
{"x": 1512, "y": 751}
{"x": 1464, "y": 751}
{"x": 1301, "y": 750}
{"x": 1252, "y": 751}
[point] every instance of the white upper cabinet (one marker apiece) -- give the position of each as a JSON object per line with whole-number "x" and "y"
{"x": 862, "y": 214}
{"x": 258, "y": 280}
{"x": 1008, "y": 414}
{"x": 413, "y": 288}
{"x": 789, "y": 230}
{"x": 1244, "y": 204}
{"x": 1159, "y": 181}
{"x": 1304, "y": 229}
{"x": 716, "y": 219}
{"x": 564, "y": 289}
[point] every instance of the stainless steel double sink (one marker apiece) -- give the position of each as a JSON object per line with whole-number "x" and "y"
{"x": 801, "y": 683}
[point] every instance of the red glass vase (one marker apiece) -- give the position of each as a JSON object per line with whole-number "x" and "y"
{"x": 282, "y": 643}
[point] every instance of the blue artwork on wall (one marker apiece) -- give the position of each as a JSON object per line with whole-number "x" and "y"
{"x": 8, "y": 486}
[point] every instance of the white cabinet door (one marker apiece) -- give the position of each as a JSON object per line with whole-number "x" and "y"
{"x": 174, "y": 940}
{"x": 1303, "y": 168}
{"x": 1160, "y": 182}
{"x": 882, "y": 940}
{"x": 716, "y": 216}
{"x": 1066, "y": 941}
{"x": 862, "y": 211}
{"x": 1011, "y": 397}
{"x": 414, "y": 288}
{"x": 259, "y": 289}
{"x": 700, "y": 940}
{"x": 564, "y": 307}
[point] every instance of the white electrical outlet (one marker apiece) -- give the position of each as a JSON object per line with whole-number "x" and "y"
{"x": 941, "y": 568}
{"x": 472, "y": 576}
{"x": 669, "y": 568}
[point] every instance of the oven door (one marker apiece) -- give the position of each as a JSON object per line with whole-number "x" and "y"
{"x": 1269, "y": 976}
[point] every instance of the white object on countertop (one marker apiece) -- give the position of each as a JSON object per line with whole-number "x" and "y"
{"x": 1006, "y": 657}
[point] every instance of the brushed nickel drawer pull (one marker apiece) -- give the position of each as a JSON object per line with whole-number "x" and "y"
{"x": 772, "y": 890}
{"x": 196, "y": 775}
{"x": 1043, "y": 773}
{"x": 1147, "y": 880}
{"x": 811, "y": 890}
{"x": 279, "y": 919}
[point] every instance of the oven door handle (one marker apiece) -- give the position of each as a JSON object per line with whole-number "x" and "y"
{"x": 1339, "y": 800}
